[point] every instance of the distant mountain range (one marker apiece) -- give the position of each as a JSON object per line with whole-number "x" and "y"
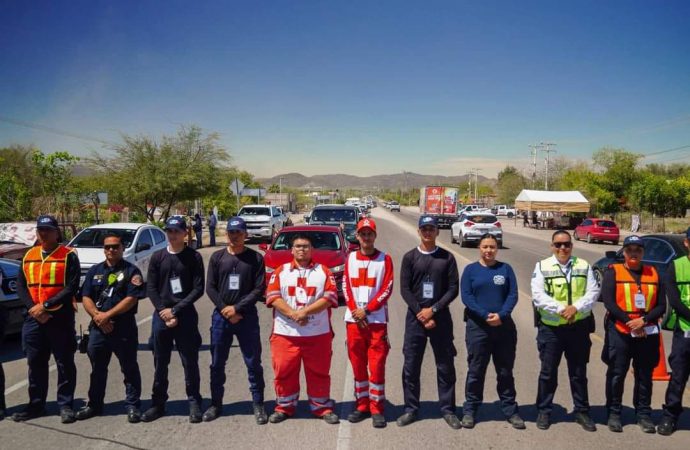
{"x": 343, "y": 181}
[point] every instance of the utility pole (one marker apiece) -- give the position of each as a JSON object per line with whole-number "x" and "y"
{"x": 469, "y": 185}
{"x": 534, "y": 149}
{"x": 546, "y": 147}
{"x": 476, "y": 183}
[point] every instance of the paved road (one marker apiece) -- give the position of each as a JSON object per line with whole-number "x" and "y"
{"x": 237, "y": 428}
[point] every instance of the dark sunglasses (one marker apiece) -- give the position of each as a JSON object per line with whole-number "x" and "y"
{"x": 112, "y": 247}
{"x": 562, "y": 244}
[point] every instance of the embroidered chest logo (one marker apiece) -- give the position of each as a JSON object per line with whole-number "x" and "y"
{"x": 499, "y": 280}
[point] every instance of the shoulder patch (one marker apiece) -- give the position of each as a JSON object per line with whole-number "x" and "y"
{"x": 137, "y": 280}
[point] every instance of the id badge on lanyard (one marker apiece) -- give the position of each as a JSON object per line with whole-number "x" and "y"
{"x": 301, "y": 297}
{"x": 640, "y": 301}
{"x": 234, "y": 282}
{"x": 428, "y": 290}
{"x": 175, "y": 285}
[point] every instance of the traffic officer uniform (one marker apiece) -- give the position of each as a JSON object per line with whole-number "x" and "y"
{"x": 368, "y": 284}
{"x": 628, "y": 295}
{"x": 554, "y": 287}
{"x": 107, "y": 286}
{"x": 176, "y": 281}
{"x": 678, "y": 291}
{"x": 236, "y": 280}
{"x": 51, "y": 280}
{"x": 429, "y": 280}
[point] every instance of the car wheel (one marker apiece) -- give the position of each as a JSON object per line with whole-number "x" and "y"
{"x": 510, "y": 215}
{"x": 575, "y": 236}
{"x": 589, "y": 238}
{"x": 463, "y": 242}
{"x": 500, "y": 244}
{"x": 614, "y": 242}
{"x": 452, "y": 238}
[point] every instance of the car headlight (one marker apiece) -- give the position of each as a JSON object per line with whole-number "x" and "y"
{"x": 339, "y": 268}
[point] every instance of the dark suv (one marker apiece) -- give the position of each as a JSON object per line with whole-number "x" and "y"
{"x": 343, "y": 216}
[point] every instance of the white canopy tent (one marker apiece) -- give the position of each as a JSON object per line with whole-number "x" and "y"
{"x": 556, "y": 201}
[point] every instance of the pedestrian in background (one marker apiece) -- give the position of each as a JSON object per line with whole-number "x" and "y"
{"x": 489, "y": 292}
{"x": 197, "y": 227}
{"x": 212, "y": 223}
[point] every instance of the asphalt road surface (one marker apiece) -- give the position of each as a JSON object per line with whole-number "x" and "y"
{"x": 237, "y": 429}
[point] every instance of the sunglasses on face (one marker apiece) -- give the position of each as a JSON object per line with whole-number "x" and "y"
{"x": 112, "y": 247}
{"x": 562, "y": 244}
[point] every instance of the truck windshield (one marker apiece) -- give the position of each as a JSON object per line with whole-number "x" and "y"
{"x": 321, "y": 240}
{"x": 254, "y": 212}
{"x": 93, "y": 237}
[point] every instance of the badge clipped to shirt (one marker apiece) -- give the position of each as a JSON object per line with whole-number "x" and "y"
{"x": 301, "y": 296}
{"x": 640, "y": 301}
{"x": 175, "y": 285}
{"x": 234, "y": 282}
{"x": 428, "y": 290}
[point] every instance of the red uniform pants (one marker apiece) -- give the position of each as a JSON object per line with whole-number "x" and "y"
{"x": 368, "y": 348}
{"x": 288, "y": 353}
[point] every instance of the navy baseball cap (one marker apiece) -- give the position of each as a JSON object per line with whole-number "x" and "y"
{"x": 175, "y": 223}
{"x": 46, "y": 221}
{"x": 428, "y": 221}
{"x": 633, "y": 240}
{"x": 237, "y": 224}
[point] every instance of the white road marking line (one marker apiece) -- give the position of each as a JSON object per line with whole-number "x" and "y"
{"x": 53, "y": 367}
{"x": 344, "y": 430}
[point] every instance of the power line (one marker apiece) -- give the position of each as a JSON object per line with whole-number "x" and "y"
{"x": 666, "y": 151}
{"x": 35, "y": 126}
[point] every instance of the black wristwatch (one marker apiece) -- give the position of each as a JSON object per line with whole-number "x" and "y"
{"x": 366, "y": 312}
{"x": 434, "y": 309}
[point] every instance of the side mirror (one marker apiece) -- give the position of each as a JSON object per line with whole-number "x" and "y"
{"x": 263, "y": 246}
{"x": 142, "y": 247}
{"x": 611, "y": 254}
{"x": 306, "y": 218}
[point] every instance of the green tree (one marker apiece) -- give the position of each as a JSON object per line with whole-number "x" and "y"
{"x": 146, "y": 174}
{"x": 619, "y": 170}
{"x": 510, "y": 183}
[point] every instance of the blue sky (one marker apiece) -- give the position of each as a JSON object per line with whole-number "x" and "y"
{"x": 359, "y": 87}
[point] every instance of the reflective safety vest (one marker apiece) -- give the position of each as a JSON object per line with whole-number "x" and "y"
{"x": 627, "y": 288}
{"x": 556, "y": 285}
{"x": 682, "y": 268}
{"x": 45, "y": 277}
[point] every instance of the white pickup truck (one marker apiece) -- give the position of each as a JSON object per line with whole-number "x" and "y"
{"x": 473, "y": 209}
{"x": 263, "y": 221}
{"x": 503, "y": 210}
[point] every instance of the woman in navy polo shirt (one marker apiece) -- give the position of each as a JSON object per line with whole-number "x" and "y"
{"x": 489, "y": 291}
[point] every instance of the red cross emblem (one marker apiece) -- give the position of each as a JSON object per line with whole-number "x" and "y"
{"x": 302, "y": 283}
{"x": 362, "y": 280}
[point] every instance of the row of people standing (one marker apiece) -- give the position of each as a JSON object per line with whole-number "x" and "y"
{"x": 301, "y": 294}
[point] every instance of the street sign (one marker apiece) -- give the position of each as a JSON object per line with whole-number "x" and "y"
{"x": 236, "y": 186}
{"x": 253, "y": 192}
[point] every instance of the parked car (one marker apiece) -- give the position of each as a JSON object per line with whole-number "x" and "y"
{"x": 330, "y": 249}
{"x": 474, "y": 209}
{"x": 139, "y": 239}
{"x": 659, "y": 250}
{"x": 597, "y": 230}
{"x": 470, "y": 227}
{"x": 9, "y": 300}
{"x": 263, "y": 221}
{"x": 503, "y": 210}
{"x": 336, "y": 215}
{"x": 16, "y": 238}
{"x": 393, "y": 206}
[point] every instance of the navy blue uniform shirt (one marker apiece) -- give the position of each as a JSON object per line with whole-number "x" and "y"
{"x": 124, "y": 279}
{"x": 487, "y": 290}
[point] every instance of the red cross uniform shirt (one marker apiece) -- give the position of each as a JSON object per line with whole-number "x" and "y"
{"x": 368, "y": 284}
{"x": 300, "y": 287}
